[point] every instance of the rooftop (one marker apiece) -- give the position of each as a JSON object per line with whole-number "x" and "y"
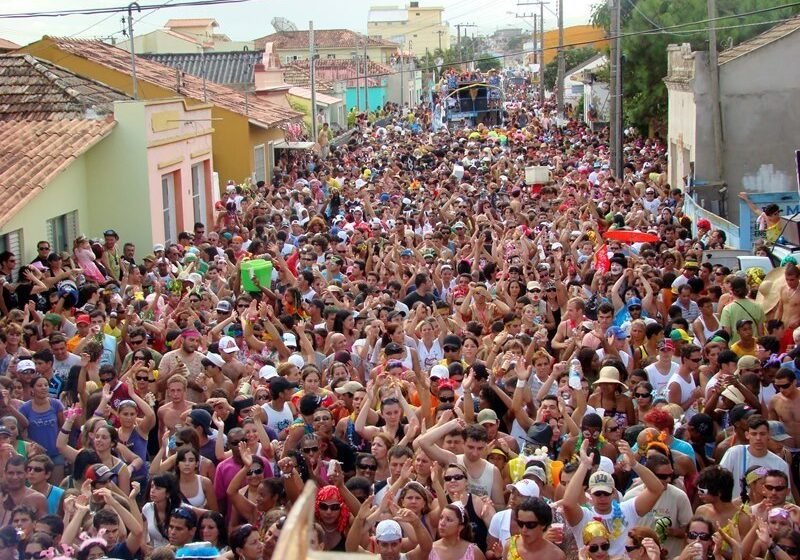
{"x": 233, "y": 68}
{"x": 34, "y": 152}
{"x": 323, "y": 38}
{"x": 256, "y": 109}
{"x": 768, "y": 37}
{"x": 6, "y": 45}
{"x": 337, "y": 70}
{"x": 191, "y": 22}
{"x": 31, "y": 88}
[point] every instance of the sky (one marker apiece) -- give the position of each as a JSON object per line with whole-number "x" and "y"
{"x": 247, "y": 21}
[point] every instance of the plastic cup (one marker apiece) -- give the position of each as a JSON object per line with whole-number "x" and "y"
{"x": 559, "y": 530}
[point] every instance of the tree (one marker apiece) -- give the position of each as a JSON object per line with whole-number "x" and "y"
{"x": 488, "y": 62}
{"x": 572, "y": 58}
{"x": 645, "y": 41}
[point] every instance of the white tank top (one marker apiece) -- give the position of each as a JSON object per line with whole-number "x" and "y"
{"x": 706, "y": 331}
{"x": 658, "y": 380}
{"x": 686, "y": 390}
{"x": 278, "y": 420}
{"x": 481, "y": 486}
{"x": 429, "y": 358}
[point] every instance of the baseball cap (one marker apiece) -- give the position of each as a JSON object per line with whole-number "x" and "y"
{"x": 451, "y": 340}
{"x": 82, "y": 318}
{"x": 267, "y": 372}
{"x": 742, "y": 322}
{"x": 740, "y": 412}
{"x": 224, "y": 306}
{"x": 533, "y": 285}
{"x": 601, "y": 481}
{"x": 296, "y": 360}
{"x": 4, "y": 431}
{"x": 228, "y": 345}
{"x": 679, "y": 334}
{"x": 634, "y": 302}
{"x": 666, "y": 344}
{"x": 440, "y": 372}
{"x": 459, "y": 225}
{"x": 98, "y": 473}
{"x": 290, "y": 340}
{"x": 526, "y": 487}
{"x": 617, "y": 332}
{"x": 703, "y": 424}
{"x": 733, "y": 394}
{"x": 158, "y": 247}
{"x": 388, "y": 530}
{"x": 747, "y": 362}
{"x": 487, "y": 416}
{"x": 777, "y": 431}
{"x": 350, "y": 387}
{"x": 537, "y": 471}
{"x": 703, "y": 223}
{"x": 213, "y": 359}
{"x": 26, "y": 365}
{"x": 200, "y": 417}
{"x": 406, "y": 253}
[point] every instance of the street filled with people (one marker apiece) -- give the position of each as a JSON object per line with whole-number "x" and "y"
{"x": 467, "y": 364}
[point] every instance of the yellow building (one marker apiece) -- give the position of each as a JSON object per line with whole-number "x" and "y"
{"x": 576, "y": 36}
{"x": 243, "y": 124}
{"x": 185, "y": 36}
{"x": 331, "y": 44}
{"x": 417, "y": 28}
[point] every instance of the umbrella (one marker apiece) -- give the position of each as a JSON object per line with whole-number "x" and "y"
{"x": 631, "y": 236}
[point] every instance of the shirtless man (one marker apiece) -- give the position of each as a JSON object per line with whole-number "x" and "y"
{"x": 788, "y": 309}
{"x": 16, "y": 493}
{"x": 169, "y": 415}
{"x": 185, "y": 354}
{"x": 785, "y": 405}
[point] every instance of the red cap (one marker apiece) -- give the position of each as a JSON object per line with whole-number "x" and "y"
{"x": 82, "y": 318}
{"x": 703, "y": 223}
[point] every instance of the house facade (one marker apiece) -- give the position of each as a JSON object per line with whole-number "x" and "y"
{"x": 760, "y": 109}
{"x": 185, "y": 36}
{"x": 330, "y": 44}
{"x": 418, "y": 29}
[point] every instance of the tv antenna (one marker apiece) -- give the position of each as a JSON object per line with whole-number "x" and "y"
{"x": 284, "y": 26}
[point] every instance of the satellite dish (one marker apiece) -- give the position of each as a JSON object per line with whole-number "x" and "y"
{"x": 283, "y": 26}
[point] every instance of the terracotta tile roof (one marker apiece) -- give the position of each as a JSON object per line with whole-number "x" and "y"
{"x": 770, "y": 36}
{"x": 6, "y": 45}
{"x": 34, "y": 152}
{"x": 31, "y": 88}
{"x": 189, "y": 22}
{"x": 324, "y": 39}
{"x": 337, "y": 70}
{"x": 299, "y": 75}
{"x": 258, "y": 110}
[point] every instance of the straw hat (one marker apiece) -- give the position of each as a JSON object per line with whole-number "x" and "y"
{"x": 769, "y": 292}
{"x": 609, "y": 374}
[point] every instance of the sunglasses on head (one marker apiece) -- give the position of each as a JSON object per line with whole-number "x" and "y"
{"x": 329, "y": 507}
{"x": 693, "y": 536}
{"x": 390, "y": 400}
{"x": 594, "y": 548}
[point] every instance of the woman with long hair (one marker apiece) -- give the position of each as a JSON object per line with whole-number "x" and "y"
{"x": 134, "y": 431}
{"x": 43, "y": 417}
{"x": 478, "y": 511}
{"x": 246, "y": 543}
{"x": 164, "y": 495}
{"x": 105, "y": 444}
{"x": 455, "y": 536}
{"x": 643, "y": 396}
{"x": 196, "y": 490}
{"x": 211, "y": 529}
{"x": 699, "y": 544}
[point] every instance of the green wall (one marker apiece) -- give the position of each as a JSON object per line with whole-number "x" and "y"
{"x": 118, "y": 188}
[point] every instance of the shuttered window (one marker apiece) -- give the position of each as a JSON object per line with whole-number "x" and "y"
{"x": 62, "y": 231}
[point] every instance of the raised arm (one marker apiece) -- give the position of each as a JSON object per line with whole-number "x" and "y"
{"x": 427, "y": 441}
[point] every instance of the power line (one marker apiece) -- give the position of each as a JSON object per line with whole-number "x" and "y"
{"x": 115, "y": 10}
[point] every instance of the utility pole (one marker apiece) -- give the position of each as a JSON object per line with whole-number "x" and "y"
{"x": 561, "y": 63}
{"x": 540, "y": 28}
{"x": 402, "y": 78}
{"x": 458, "y": 37}
{"x": 535, "y": 48}
{"x": 615, "y": 123}
{"x": 440, "y": 33}
{"x": 312, "y": 55}
{"x": 713, "y": 69}
{"x": 366, "y": 74}
{"x": 131, "y": 6}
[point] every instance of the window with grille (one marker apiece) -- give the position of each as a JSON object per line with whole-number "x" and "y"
{"x": 260, "y": 163}
{"x": 199, "y": 191}
{"x": 62, "y": 231}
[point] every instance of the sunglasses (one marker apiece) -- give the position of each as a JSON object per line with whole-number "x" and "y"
{"x": 255, "y": 472}
{"x": 145, "y": 378}
{"x": 34, "y": 469}
{"x": 642, "y": 395}
{"x": 782, "y": 386}
{"x": 367, "y": 467}
{"x": 451, "y": 348}
{"x": 447, "y": 399}
{"x": 594, "y": 548}
{"x": 632, "y": 547}
{"x": 329, "y": 507}
{"x": 601, "y": 494}
{"x": 453, "y": 477}
{"x": 772, "y": 488}
{"x": 310, "y": 449}
{"x": 527, "y": 524}
{"x": 183, "y": 513}
{"x": 665, "y": 476}
{"x": 693, "y": 536}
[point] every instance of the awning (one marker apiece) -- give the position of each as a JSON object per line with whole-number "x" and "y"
{"x": 284, "y": 145}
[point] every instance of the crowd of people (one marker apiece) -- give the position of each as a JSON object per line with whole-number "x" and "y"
{"x": 466, "y": 365}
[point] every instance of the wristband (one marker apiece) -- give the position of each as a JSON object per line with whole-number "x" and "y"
{"x": 65, "y": 432}
{"x": 520, "y": 383}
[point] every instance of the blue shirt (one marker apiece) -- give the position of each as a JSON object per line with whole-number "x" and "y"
{"x": 43, "y": 426}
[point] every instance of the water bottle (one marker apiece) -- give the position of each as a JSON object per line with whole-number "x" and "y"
{"x": 575, "y": 374}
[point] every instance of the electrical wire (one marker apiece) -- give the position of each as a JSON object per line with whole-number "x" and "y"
{"x": 115, "y": 10}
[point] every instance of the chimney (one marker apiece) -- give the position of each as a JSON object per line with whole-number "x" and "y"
{"x": 269, "y": 79}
